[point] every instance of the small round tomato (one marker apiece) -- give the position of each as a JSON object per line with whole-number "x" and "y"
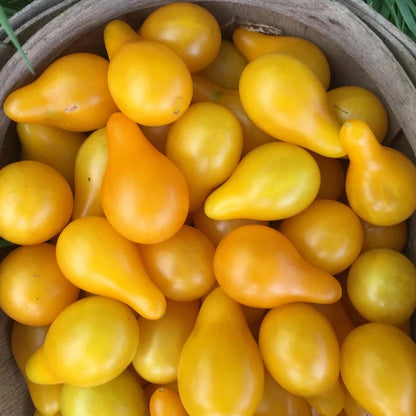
{"x": 33, "y": 290}
{"x": 122, "y": 395}
{"x": 149, "y": 83}
{"x": 382, "y": 286}
{"x": 91, "y": 341}
{"x": 182, "y": 266}
{"x": 350, "y": 102}
{"x": 328, "y": 234}
{"x": 378, "y": 367}
{"x": 190, "y": 30}
{"x": 161, "y": 341}
{"x": 35, "y": 202}
{"x": 389, "y": 236}
{"x": 300, "y": 349}
{"x": 227, "y": 66}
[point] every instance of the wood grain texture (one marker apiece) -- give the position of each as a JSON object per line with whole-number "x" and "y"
{"x": 362, "y": 50}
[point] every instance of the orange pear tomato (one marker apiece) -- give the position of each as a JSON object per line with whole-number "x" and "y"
{"x": 72, "y": 94}
{"x": 258, "y": 266}
{"x": 144, "y": 195}
{"x": 35, "y": 202}
{"x": 33, "y": 290}
{"x": 378, "y": 177}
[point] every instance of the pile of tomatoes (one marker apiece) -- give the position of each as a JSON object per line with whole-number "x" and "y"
{"x": 203, "y": 226}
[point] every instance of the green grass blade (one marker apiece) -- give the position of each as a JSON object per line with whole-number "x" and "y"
{"x": 408, "y": 17}
{"x": 8, "y": 29}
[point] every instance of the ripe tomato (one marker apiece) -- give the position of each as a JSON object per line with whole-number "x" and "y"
{"x": 25, "y": 340}
{"x": 149, "y": 83}
{"x": 378, "y": 367}
{"x": 206, "y": 152}
{"x": 161, "y": 341}
{"x": 190, "y": 30}
{"x": 300, "y": 349}
{"x": 382, "y": 286}
{"x": 181, "y": 267}
{"x": 50, "y": 145}
{"x": 35, "y": 202}
{"x": 121, "y": 394}
{"x": 328, "y": 234}
{"x": 220, "y": 368}
{"x": 91, "y": 341}
{"x": 33, "y": 290}
{"x": 165, "y": 402}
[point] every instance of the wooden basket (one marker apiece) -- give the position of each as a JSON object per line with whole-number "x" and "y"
{"x": 362, "y": 48}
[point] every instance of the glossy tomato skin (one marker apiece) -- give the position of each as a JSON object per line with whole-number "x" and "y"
{"x": 149, "y": 83}
{"x": 351, "y": 102}
{"x": 378, "y": 367}
{"x": 220, "y": 368}
{"x": 33, "y": 290}
{"x": 328, "y": 234}
{"x": 50, "y": 145}
{"x": 300, "y": 349}
{"x": 190, "y": 30}
{"x": 90, "y": 164}
{"x": 161, "y": 342}
{"x": 225, "y": 70}
{"x": 182, "y": 266}
{"x": 92, "y": 341}
{"x": 122, "y": 392}
{"x": 96, "y": 258}
{"x": 24, "y": 342}
{"x": 383, "y": 202}
{"x": 35, "y": 202}
{"x": 284, "y": 98}
{"x": 72, "y": 94}
{"x": 205, "y": 143}
{"x": 258, "y": 266}
{"x": 273, "y": 181}
{"x": 381, "y": 285}
{"x": 166, "y": 402}
{"x": 144, "y": 195}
